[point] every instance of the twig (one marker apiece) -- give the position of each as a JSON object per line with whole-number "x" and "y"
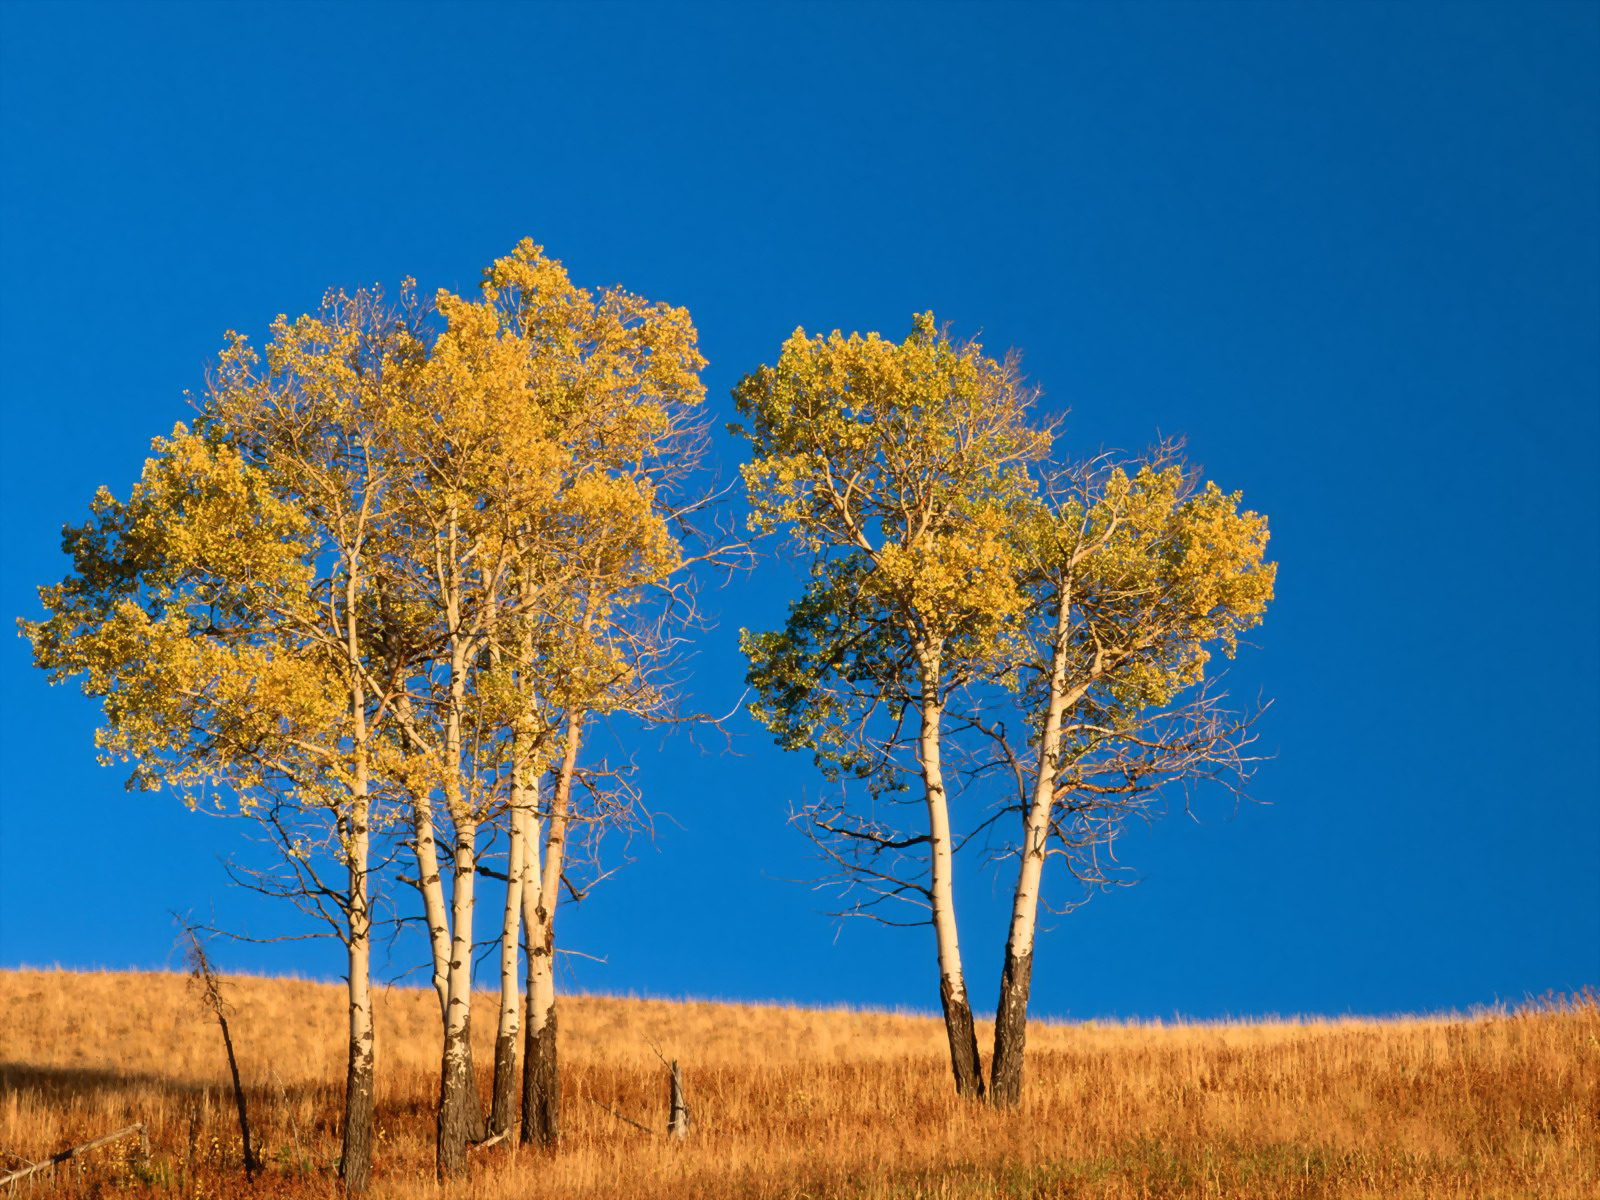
{"x": 620, "y": 1117}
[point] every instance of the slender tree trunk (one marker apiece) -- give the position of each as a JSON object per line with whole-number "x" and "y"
{"x": 355, "y": 1157}
{"x": 458, "y": 1096}
{"x": 959, "y": 1028}
{"x": 502, "y": 1106}
{"x": 541, "y": 1079}
{"x": 430, "y": 885}
{"x": 436, "y": 913}
{"x": 460, "y": 1115}
{"x": 1011, "y": 1013}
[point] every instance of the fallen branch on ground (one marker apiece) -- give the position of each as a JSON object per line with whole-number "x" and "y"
{"x": 62, "y": 1156}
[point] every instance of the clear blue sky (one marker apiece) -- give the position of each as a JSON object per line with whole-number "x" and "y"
{"x": 1352, "y": 251}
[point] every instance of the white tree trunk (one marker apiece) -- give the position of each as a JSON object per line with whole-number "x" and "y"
{"x": 541, "y": 1080}
{"x": 460, "y": 1116}
{"x": 355, "y": 1159}
{"x": 1011, "y": 1013}
{"x": 503, "y": 1104}
{"x": 959, "y": 1028}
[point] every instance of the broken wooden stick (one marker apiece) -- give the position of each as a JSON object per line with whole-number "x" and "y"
{"x": 62, "y": 1156}
{"x": 678, "y": 1109}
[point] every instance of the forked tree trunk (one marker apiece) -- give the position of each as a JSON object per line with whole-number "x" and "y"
{"x": 1011, "y": 1013}
{"x": 959, "y": 1028}
{"x": 541, "y": 1078}
{"x": 436, "y": 913}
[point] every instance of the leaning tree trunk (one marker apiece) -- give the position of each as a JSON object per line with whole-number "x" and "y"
{"x": 541, "y": 1078}
{"x": 1011, "y": 1013}
{"x": 429, "y": 883}
{"x": 959, "y": 1028}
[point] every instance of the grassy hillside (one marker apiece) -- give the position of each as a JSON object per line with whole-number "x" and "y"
{"x": 794, "y": 1103}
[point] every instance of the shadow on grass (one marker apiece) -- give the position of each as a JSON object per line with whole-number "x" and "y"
{"x": 58, "y": 1083}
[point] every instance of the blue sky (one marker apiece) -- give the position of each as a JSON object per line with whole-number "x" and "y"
{"x": 1351, "y": 251}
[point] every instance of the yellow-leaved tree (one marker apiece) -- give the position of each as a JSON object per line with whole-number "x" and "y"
{"x": 385, "y": 583}
{"x": 224, "y": 615}
{"x": 539, "y": 535}
{"x": 957, "y": 576}
{"x": 899, "y": 469}
{"x": 1134, "y": 580}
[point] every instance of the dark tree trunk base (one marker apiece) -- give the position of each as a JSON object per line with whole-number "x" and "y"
{"x": 541, "y": 1086}
{"x": 477, "y": 1120}
{"x": 355, "y": 1156}
{"x": 963, "y": 1037}
{"x": 503, "y": 1103}
{"x": 458, "y": 1106}
{"x": 1010, "y": 1032}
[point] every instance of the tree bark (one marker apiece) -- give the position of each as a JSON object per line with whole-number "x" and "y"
{"x": 460, "y": 1115}
{"x": 959, "y": 1028}
{"x": 1011, "y": 1013}
{"x": 541, "y": 1079}
{"x": 1010, "y": 1030}
{"x": 355, "y": 1158}
{"x": 677, "y": 1106}
{"x": 454, "y": 1129}
{"x": 502, "y": 1106}
{"x": 430, "y": 885}
{"x": 355, "y": 1152}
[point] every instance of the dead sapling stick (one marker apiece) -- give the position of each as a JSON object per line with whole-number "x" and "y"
{"x": 677, "y": 1109}
{"x": 211, "y": 996}
{"x": 72, "y": 1152}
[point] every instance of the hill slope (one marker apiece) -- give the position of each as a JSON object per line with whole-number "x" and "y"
{"x": 792, "y": 1103}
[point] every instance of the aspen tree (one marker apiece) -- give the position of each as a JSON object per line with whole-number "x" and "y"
{"x": 899, "y": 470}
{"x": 543, "y": 509}
{"x": 223, "y": 616}
{"x": 1136, "y": 579}
{"x": 612, "y": 387}
{"x": 455, "y": 438}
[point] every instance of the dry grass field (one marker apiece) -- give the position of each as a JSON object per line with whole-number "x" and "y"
{"x": 791, "y": 1103}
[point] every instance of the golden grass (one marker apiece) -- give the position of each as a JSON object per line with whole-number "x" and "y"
{"x": 795, "y": 1103}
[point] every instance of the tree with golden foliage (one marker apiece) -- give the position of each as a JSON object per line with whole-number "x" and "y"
{"x": 224, "y": 615}
{"x": 404, "y": 565}
{"x": 955, "y": 575}
{"x": 539, "y": 534}
{"x": 1134, "y": 579}
{"x": 900, "y": 470}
